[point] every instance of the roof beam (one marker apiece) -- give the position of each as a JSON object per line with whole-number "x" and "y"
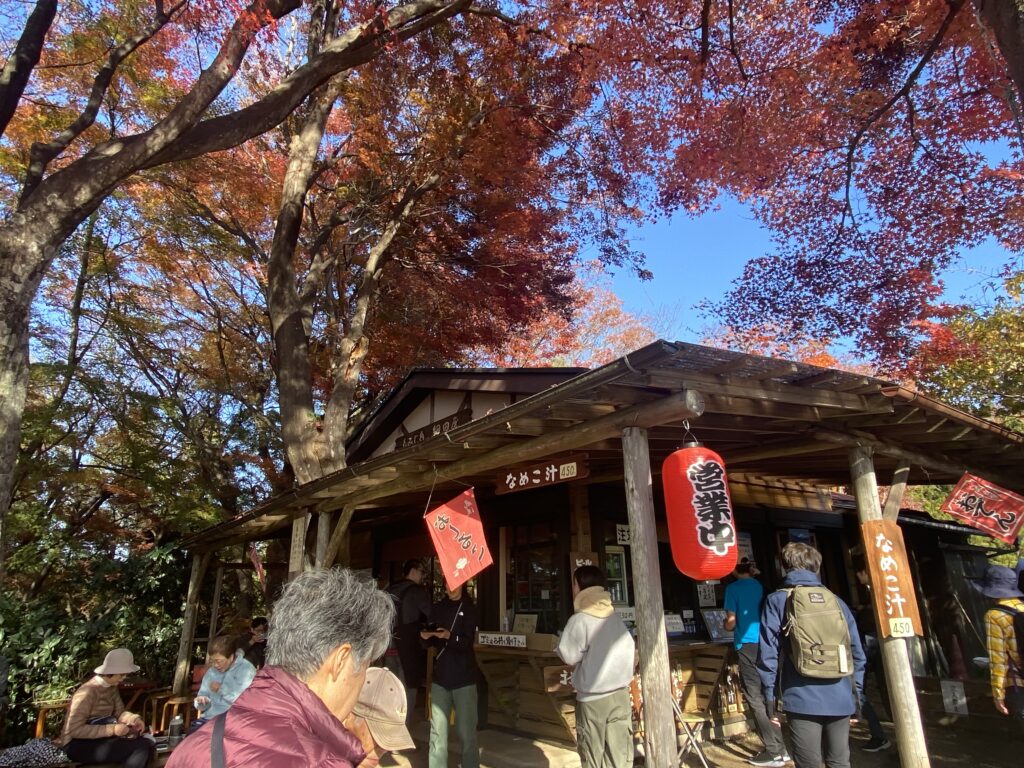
{"x": 686, "y": 404}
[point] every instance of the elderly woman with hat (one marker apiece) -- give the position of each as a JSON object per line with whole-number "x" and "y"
{"x": 1004, "y": 647}
{"x": 98, "y": 729}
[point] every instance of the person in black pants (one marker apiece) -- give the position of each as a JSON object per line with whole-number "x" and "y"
{"x": 406, "y": 657}
{"x": 454, "y": 621}
{"x": 743, "y": 599}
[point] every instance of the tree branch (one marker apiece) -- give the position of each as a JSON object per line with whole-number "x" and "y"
{"x": 23, "y": 60}
{"x": 43, "y": 154}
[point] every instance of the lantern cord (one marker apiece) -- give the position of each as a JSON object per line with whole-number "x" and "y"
{"x": 688, "y": 436}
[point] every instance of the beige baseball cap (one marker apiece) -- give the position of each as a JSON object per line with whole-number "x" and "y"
{"x": 382, "y": 705}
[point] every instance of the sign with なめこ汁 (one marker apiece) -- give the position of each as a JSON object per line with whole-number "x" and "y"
{"x": 550, "y": 472}
{"x": 891, "y": 582}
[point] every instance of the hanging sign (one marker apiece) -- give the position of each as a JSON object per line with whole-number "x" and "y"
{"x": 701, "y": 528}
{"x": 458, "y": 536}
{"x": 892, "y": 585}
{"x": 257, "y": 563}
{"x": 579, "y": 559}
{"x": 544, "y": 473}
{"x": 986, "y": 506}
{"x": 623, "y": 535}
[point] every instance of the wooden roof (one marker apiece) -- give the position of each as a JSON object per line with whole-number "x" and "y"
{"x": 767, "y": 417}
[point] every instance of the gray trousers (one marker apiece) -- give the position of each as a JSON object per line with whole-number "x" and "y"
{"x": 769, "y": 732}
{"x": 442, "y": 702}
{"x": 604, "y": 731}
{"x": 809, "y": 732}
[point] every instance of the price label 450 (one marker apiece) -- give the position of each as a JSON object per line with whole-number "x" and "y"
{"x": 901, "y": 627}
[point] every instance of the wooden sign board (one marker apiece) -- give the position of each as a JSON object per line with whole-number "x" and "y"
{"x": 891, "y": 584}
{"x": 550, "y": 472}
{"x": 558, "y": 679}
{"x": 501, "y": 639}
{"x": 440, "y": 427}
{"x": 579, "y": 559}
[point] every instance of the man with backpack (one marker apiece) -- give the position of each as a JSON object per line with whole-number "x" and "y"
{"x": 406, "y": 657}
{"x": 1004, "y": 625}
{"x": 810, "y": 656}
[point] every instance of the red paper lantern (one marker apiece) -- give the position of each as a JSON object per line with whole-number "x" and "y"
{"x": 701, "y": 526}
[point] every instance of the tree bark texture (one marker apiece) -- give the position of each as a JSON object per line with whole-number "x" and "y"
{"x": 1006, "y": 20}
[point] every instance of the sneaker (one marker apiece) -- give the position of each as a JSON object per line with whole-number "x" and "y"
{"x": 877, "y": 745}
{"x": 768, "y": 760}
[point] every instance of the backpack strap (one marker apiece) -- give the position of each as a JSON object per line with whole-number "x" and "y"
{"x": 217, "y": 742}
{"x": 1014, "y": 614}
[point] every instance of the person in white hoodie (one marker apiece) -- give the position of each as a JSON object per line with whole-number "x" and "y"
{"x": 598, "y": 645}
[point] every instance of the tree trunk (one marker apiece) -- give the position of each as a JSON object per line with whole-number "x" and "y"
{"x": 1006, "y": 20}
{"x": 18, "y": 285}
{"x": 300, "y": 428}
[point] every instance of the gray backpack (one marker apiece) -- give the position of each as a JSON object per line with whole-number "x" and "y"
{"x": 819, "y": 637}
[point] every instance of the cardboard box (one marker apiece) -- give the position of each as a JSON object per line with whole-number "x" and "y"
{"x": 539, "y": 641}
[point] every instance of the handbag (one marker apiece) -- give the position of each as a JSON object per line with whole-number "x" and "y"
{"x": 35, "y": 753}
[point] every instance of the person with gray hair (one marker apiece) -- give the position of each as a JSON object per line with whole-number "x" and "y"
{"x": 325, "y": 630}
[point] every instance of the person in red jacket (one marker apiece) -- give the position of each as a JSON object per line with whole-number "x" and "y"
{"x": 326, "y": 629}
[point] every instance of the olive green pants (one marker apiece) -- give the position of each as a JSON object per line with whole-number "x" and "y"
{"x": 604, "y": 731}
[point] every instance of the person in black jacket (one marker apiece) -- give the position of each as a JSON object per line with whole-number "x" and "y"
{"x": 454, "y": 687}
{"x": 405, "y": 657}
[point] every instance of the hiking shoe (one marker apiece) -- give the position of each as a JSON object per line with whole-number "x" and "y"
{"x": 876, "y": 745}
{"x": 768, "y": 760}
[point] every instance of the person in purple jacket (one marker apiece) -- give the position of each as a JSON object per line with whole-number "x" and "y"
{"x": 818, "y": 710}
{"x": 326, "y": 629}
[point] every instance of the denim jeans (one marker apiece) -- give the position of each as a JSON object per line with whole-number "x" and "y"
{"x": 442, "y": 702}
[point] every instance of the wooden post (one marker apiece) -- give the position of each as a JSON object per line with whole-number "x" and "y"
{"x": 297, "y": 554}
{"x": 902, "y": 695}
{"x": 215, "y": 607}
{"x": 323, "y": 537}
{"x": 655, "y": 674}
{"x": 503, "y": 564}
{"x": 339, "y": 536}
{"x": 579, "y": 503}
{"x": 188, "y": 624}
{"x": 899, "y": 486}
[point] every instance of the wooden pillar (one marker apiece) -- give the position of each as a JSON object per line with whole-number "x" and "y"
{"x": 504, "y": 560}
{"x": 895, "y": 655}
{"x": 188, "y": 624}
{"x": 579, "y": 503}
{"x": 297, "y": 554}
{"x": 323, "y": 538}
{"x": 215, "y": 606}
{"x": 337, "y": 546}
{"x": 655, "y": 674}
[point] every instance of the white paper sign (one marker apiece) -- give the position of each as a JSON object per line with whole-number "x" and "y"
{"x": 501, "y": 640}
{"x": 622, "y": 534}
{"x": 954, "y": 699}
{"x": 626, "y": 612}
{"x": 673, "y": 624}
{"x": 706, "y": 595}
{"x": 900, "y": 626}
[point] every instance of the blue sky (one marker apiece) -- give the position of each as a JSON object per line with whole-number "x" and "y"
{"x": 698, "y": 258}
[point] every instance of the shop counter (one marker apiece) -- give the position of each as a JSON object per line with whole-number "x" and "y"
{"x": 528, "y": 690}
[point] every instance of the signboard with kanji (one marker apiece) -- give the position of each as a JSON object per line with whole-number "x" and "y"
{"x": 558, "y": 679}
{"x": 891, "y": 582}
{"x": 458, "y": 536}
{"x": 439, "y": 427}
{"x": 544, "y": 473}
{"x": 501, "y": 639}
{"x": 985, "y": 506}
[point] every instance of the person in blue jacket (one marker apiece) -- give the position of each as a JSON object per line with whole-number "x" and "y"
{"x": 228, "y": 675}
{"x": 818, "y": 710}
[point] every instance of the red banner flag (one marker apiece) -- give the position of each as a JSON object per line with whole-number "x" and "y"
{"x": 458, "y": 535}
{"x": 257, "y": 563}
{"x": 985, "y": 506}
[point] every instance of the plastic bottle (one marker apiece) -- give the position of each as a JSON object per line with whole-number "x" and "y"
{"x": 174, "y": 731}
